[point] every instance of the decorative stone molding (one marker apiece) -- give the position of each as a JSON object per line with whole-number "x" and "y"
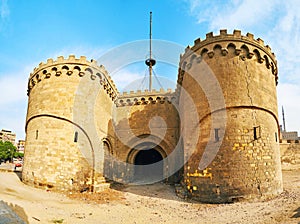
{"x": 228, "y": 45}
{"x": 146, "y": 97}
{"x": 73, "y": 67}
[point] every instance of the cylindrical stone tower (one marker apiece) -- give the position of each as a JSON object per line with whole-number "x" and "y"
{"x": 231, "y": 146}
{"x": 69, "y": 108}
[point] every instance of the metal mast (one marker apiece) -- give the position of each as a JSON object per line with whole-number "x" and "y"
{"x": 150, "y": 61}
{"x": 284, "y": 129}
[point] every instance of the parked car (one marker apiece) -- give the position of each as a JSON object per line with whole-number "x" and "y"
{"x": 18, "y": 164}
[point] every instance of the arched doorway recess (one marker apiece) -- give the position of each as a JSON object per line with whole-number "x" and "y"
{"x": 149, "y": 163}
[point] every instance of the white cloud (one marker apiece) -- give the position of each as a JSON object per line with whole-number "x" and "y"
{"x": 285, "y": 37}
{"x": 235, "y": 14}
{"x": 278, "y": 23}
{"x": 4, "y": 15}
{"x": 12, "y": 89}
{"x": 13, "y": 101}
{"x": 13, "y": 116}
{"x": 127, "y": 80}
{"x": 136, "y": 77}
{"x": 4, "y": 9}
{"x": 245, "y": 14}
{"x": 288, "y": 97}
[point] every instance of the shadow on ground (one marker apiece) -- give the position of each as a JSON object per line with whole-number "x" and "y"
{"x": 156, "y": 190}
{"x": 19, "y": 174}
{"x": 297, "y": 215}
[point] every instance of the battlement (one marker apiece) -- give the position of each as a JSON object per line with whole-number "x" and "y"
{"x": 235, "y": 44}
{"x": 145, "y": 92}
{"x": 73, "y": 66}
{"x": 235, "y": 36}
{"x": 70, "y": 60}
{"x": 146, "y": 97}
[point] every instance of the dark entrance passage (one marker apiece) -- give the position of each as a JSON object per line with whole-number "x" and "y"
{"x": 144, "y": 173}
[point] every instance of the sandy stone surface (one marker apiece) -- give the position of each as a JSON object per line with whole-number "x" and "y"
{"x": 147, "y": 204}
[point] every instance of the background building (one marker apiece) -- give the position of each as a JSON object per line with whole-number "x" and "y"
{"x": 6, "y": 135}
{"x": 290, "y": 135}
{"x": 21, "y": 146}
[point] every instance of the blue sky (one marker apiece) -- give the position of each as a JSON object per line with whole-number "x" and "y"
{"x": 32, "y": 31}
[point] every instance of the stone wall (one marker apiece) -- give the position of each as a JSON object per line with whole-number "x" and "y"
{"x": 66, "y": 96}
{"x": 229, "y": 81}
{"x": 221, "y": 122}
{"x": 145, "y": 120}
{"x": 290, "y": 153}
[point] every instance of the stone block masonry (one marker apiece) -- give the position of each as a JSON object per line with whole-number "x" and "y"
{"x": 246, "y": 163}
{"x": 222, "y": 117}
{"x": 59, "y": 152}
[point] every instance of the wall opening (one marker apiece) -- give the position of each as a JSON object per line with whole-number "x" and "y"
{"x": 76, "y": 136}
{"x": 217, "y": 138}
{"x": 256, "y": 132}
{"x": 145, "y": 157}
{"x": 108, "y": 159}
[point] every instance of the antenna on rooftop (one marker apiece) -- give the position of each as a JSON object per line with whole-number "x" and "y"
{"x": 150, "y": 61}
{"x": 284, "y": 129}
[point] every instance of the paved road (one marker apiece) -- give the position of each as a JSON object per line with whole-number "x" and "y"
{"x": 9, "y": 167}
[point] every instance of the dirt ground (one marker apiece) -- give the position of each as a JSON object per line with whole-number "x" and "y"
{"x": 155, "y": 203}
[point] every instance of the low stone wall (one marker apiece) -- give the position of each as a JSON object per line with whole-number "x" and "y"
{"x": 290, "y": 152}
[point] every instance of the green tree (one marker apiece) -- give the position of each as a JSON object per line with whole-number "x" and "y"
{"x": 7, "y": 151}
{"x": 18, "y": 155}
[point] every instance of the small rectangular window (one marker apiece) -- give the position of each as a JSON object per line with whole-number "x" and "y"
{"x": 256, "y": 132}
{"x": 217, "y": 138}
{"x": 76, "y": 136}
{"x": 276, "y": 137}
{"x": 36, "y": 134}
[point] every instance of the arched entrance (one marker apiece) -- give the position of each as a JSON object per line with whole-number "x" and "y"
{"x": 108, "y": 159}
{"x": 148, "y": 157}
{"x": 149, "y": 166}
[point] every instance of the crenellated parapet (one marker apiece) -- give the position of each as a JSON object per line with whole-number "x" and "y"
{"x": 72, "y": 66}
{"x": 231, "y": 82}
{"x": 228, "y": 45}
{"x": 146, "y": 97}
